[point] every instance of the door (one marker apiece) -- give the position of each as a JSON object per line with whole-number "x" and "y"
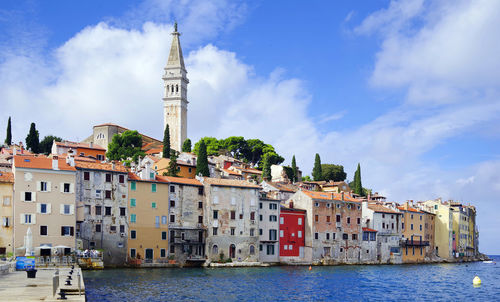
{"x": 232, "y": 251}
{"x": 149, "y": 254}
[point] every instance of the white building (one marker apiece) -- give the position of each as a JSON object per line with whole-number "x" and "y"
{"x": 269, "y": 213}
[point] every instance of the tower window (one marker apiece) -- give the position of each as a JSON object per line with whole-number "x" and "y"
{"x": 176, "y": 88}
{"x": 172, "y": 88}
{"x": 168, "y": 88}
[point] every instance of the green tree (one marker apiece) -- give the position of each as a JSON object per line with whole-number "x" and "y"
{"x": 126, "y": 145}
{"x": 294, "y": 169}
{"x": 306, "y": 178}
{"x": 266, "y": 166}
{"x": 317, "y": 174}
{"x": 212, "y": 145}
{"x": 173, "y": 169}
{"x": 357, "y": 186}
{"x": 33, "y": 140}
{"x": 202, "y": 160}
{"x": 8, "y": 138}
{"x": 186, "y": 146}
{"x": 333, "y": 172}
{"x": 166, "y": 142}
{"x": 46, "y": 143}
{"x": 236, "y": 147}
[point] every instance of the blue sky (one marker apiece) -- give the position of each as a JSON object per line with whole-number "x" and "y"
{"x": 408, "y": 89}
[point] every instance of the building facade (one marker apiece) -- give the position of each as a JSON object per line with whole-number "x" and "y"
{"x": 6, "y": 212}
{"x": 292, "y": 235}
{"x": 443, "y": 228}
{"x": 231, "y": 209}
{"x": 269, "y": 213}
{"x": 414, "y": 244}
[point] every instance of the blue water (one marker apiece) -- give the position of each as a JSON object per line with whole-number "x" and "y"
{"x": 427, "y": 282}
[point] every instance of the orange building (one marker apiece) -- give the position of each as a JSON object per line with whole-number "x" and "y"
{"x": 187, "y": 170}
{"x": 80, "y": 149}
{"x": 414, "y": 245}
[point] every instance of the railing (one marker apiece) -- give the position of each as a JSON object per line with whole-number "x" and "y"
{"x": 409, "y": 242}
{"x": 54, "y": 261}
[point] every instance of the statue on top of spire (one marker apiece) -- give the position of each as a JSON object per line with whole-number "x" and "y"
{"x": 175, "y": 26}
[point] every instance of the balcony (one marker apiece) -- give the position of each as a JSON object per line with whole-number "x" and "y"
{"x": 410, "y": 242}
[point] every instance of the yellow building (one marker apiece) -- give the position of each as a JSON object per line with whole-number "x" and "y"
{"x": 443, "y": 236}
{"x": 6, "y": 208}
{"x": 472, "y": 249}
{"x": 148, "y": 218}
{"x": 187, "y": 170}
{"x": 415, "y": 247}
{"x": 460, "y": 229}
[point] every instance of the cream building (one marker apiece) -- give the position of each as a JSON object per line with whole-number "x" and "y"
{"x": 175, "y": 96}
{"x": 443, "y": 224}
{"x": 44, "y": 200}
{"x": 6, "y": 208}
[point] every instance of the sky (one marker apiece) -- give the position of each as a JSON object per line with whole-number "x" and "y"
{"x": 408, "y": 89}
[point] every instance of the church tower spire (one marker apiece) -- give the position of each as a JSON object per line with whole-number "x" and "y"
{"x": 175, "y": 97}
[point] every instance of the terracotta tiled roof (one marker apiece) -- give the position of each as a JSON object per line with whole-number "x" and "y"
{"x": 248, "y": 170}
{"x": 6, "y": 177}
{"x": 154, "y": 151}
{"x": 381, "y": 209}
{"x": 133, "y": 177}
{"x": 40, "y": 162}
{"x": 410, "y": 209}
{"x": 153, "y": 158}
{"x": 230, "y": 183}
{"x": 231, "y": 172}
{"x": 101, "y": 166}
{"x": 181, "y": 180}
{"x": 79, "y": 145}
{"x": 281, "y": 187}
{"x": 329, "y": 196}
{"x": 369, "y": 230}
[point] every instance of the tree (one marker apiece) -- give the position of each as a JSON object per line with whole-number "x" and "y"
{"x": 306, "y": 178}
{"x": 173, "y": 169}
{"x": 212, "y": 146}
{"x": 202, "y": 161}
{"x": 8, "y": 138}
{"x": 186, "y": 146}
{"x": 316, "y": 173}
{"x": 33, "y": 140}
{"x": 294, "y": 169}
{"x": 333, "y": 172}
{"x": 357, "y": 186}
{"x": 46, "y": 143}
{"x": 166, "y": 142}
{"x": 266, "y": 167}
{"x": 124, "y": 146}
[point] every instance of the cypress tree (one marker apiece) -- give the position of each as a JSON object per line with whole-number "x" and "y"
{"x": 173, "y": 169}
{"x": 33, "y": 140}
{"x": 8, "y": 138}
{"x": 166, "y": 142}
{"x": 294, "y": 169}
{"x": 317, "y": 173}
{"x": 202, "y": 162}
{"x": 186, "y": 146}
{"x": 358, "y": 187}
{"x": 266, "y": 168}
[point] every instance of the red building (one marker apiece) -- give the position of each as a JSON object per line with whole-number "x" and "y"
{"x": 292, "y": 232}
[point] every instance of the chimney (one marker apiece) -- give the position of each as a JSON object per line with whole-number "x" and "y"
{"x": 112, "y": 165}
{"x": 91, "y": 144}
{"x": 55, "y": 162}
{"x": 70, "y": 159}
{"x": 342, "y": 195}
{"x": 22, "y": 148}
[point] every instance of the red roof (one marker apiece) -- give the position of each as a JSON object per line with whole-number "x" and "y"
{"x": 369, "y": 230}
{"x": 181, "y": 180}
{"x": 410, "y": 209}
{"x": 6, "y": 177}
{"x": 101, "y": 166}
{"x": 329, "y": 196}
{"x": 80, "y": 145}
{"x": 40, "y": 162}
{"x": 381, "y": 209}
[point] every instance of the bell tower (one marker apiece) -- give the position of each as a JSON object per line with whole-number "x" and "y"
{"x": 175, "y": 97}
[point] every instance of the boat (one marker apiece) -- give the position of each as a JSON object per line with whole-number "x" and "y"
{"x": 488, "y": 261}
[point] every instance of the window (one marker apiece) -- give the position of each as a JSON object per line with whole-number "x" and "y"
{"x": 421, "y": 218}
{"x": 273, "y": 234}
{"x": 132, "y": 202}
{"x": 252, "y": 216}
{"x": 66, "y": 187}
{"x": 328, "y": 205}
{"x": 282, "y": 220}
{"x": 383, "y": 225}
{"x": 200, "y": 191}
{"x": 348, "y": 220}
{"x": 411, "y": 216}
{"x": 260, "y": 247}
{"x": 215, "y": 249}
{"x": 6, "y": 222}
{"x": 232, "y": 231}
{"x": 260, "y": 205}
{"x": 132, "y": 253}
{"x": 252, "y": 232}
{"x": 86, "y": 175}
{"x": 338, "y": 218}
{"x": 345, "y": 236}
{"x": 98, "y": 210}
{"x": 366, "y": 236}
{"x": 43, "y": 186}
{"x": 200, "y": 205}
{"x": 112, "y": 229}
{"x": 435, "y": 207}
{"x": 153, "y": 205}
{"x": 172, "y": 249}
{"x": 163, "y": 253}
{"x": 163, "y": 235}
{"x": 420, "y": 225}
{"x": 260, "y": 217}
{"x": 216, "y": 214}
{"x": 108, "y": 177}
{"x": 123, "y": 211}
{"x": 43, "y": 230}
{"x": 107, "y": 211}
{"x": 98, "y": 228}
{"x": 133, "y": 185}
{"x": 333, "y": 236}
{"x": 172, "y": 218}
{"x": 316, "y": 218}
{"x": 122, "y": 228}
{"x": 133, "y": 218}
{"x": 383, "y": 215}
{"x": 27, "y": 218}
{"x": 392, "y": 225}
{"x": 270, "y": 249}
{"x": 153, "y": 188}
{"x": 27, "y": 196}
{"x": 43, "y": 208}
{"x": 273, "y": 206}
{"x": 107, "y": 194}
{"x": 411, "y": 226}
{"x": 354, "y": 236}
{"x": 359, "y": 220}
{"x": 172, "y": 189}
{"x": 316, "y": 204}
{"x": 233, "y": 215}
{"x": 285, "y": 247}
{"x": 67, "y": 231}
{"x": 100, "y": 157}
{"x": 273, "y": 218}
{"x": 121, "y": 179}
{"x": 327, "y": 236}
{"x": 214, "y": 231}
{"x": 299, "y": 221}
{"x": 260, "y": 232}
{"x": 328, "y": 218}
{"x": 67, "y": 209}
{"x": 316, "y": 236}
{"x": 373, "y": 236}
{"x": 252, "y": 250}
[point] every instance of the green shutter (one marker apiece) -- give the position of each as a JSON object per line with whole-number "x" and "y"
{"x": 132, "y": 185}
{"x": 132, "y": 218}
{"x": 153, "y": 205}
{"x": 153, "y": 187}
{"x": 132, "y": 202}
